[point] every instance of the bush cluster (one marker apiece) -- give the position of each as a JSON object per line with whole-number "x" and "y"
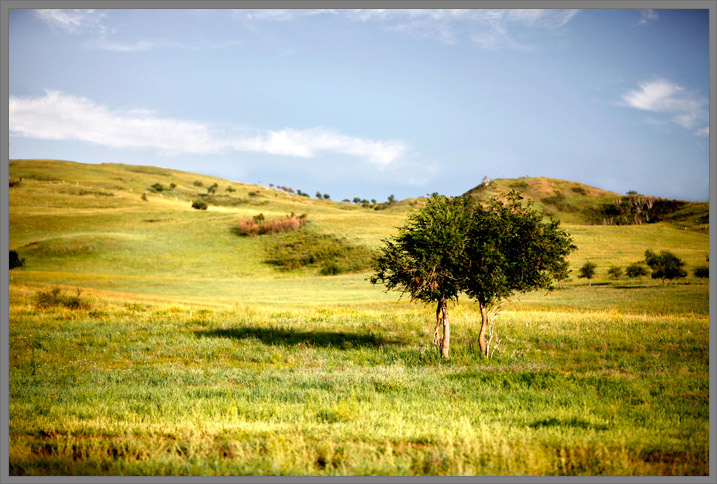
{"x": 56, "y": 298}
{"x": 199, "y": 204}
{"x": 257, "y": 225}
{"x": 15, "y": 260}
{"x": 329, "y": 253}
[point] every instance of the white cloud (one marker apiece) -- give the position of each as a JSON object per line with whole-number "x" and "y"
{"x": 647, "y": 15}
{"x": 663, "y": 96}
{"x": 703, "y": 131}
{"x": 59, "y": 116}
{"x": 73, "y": 20}
{"x": 488, "y": 28}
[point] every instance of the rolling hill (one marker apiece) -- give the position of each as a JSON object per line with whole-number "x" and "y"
{"x": 132, "y": 228}
{"x": 577, "y": 203}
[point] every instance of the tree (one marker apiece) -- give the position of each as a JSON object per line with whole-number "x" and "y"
{"x": 319, "y": 195}
{"x": 561, "y": 272}
{"x": 665, "y": 265}
{"x": 636, "y": 269}
{"x": 15, "y": 260}
{"x": 357, "y": 200}
{"x": 327, "y": 196}
{"x": 615, "y": 272}
{"x": 510, "y": 249}
{"x": 702, "y": 272}
{"x": 587, "y": 271}
{"x": 212, "y": 188}
{"x": 424, "y": 260}
{"x": 453, "y": 245}
{"x": 391, "y": 198}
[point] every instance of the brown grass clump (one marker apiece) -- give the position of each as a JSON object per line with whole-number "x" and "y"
{"x": 258, "y": 226}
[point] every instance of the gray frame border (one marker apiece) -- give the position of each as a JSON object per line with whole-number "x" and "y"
{"x": 6, "y": 5}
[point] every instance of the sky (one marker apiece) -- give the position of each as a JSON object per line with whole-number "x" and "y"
{"x": 370, "y": 103}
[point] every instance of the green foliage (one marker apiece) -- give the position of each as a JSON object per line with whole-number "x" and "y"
{"x": 578, "y": 189}
{"x": 230, "y": 189}
{"x": 427, "y": 257}
{"x": 197, "y": 183}
{"x": 636, "y": 269}
{"x": 199, "y": 204}
{"x": 144, "y": 197}
{"x": 510, "y": 249}
{"x": 329, "y": 253}
{"x": 587, "y": 270}
{"x": 213, "y": 188}
{"x": 172, "y": 186}
{"x": 327, "y": 196}
{"x": 54, "y": 297}
{"x": 665, "y": 265}
{"x": 453, "y": 245}
{"x": 158, "y": 187}
{"x": 702, "y": 271}
{"x": 15, "y": 260}
{"x": 615, "y": 272}
{"x": 319, "y": 195}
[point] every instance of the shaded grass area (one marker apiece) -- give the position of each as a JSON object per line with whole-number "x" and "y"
{"x": 142, "y": 388}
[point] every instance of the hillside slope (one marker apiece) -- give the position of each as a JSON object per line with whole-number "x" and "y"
{"x": 87, "y": 225}
{"x": 577, "y": 203}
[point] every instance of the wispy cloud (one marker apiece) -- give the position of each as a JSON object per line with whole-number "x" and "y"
{"x": 59, "y": 116}
{"x": 490, "y": 29}
{"x": 662, "y": 96}
{"x": 648, "y": 15}
{"x": 74, "y": 20}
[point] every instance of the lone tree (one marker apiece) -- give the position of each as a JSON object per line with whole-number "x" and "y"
{"x": 636, "y": 269}
{"x": 665, "y": 265}
{"x": 453, "y": 245}
{"x": 587, "y": 271}
{"x": 15, "y": 260}
{"x": 615, "y": 272}
{"x": 510, "y": 249}
{"x": 702, "y": 272}
{"x": 425, "y": 259}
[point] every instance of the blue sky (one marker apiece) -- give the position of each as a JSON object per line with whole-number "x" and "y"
{"x": 370, "y": 103}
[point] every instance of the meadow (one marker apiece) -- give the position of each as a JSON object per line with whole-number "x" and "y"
{"x": 188, "y": 354}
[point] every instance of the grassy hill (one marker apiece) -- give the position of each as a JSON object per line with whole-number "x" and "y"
{"x": 189, "y": 353}
{"x": 88, "y": 224}
{"x": 577, "y": 203}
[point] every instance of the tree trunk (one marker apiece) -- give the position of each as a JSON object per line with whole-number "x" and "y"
{"x": 446, "y": 330}
{"x": 483, "y": 328}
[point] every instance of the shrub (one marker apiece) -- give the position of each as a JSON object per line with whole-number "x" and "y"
{"x": 636, "y": 269}
{"x": 15, "y": 260}
{"x": 330, "y": 254}
{"x": 144, "y": 197}
{"x": 615, "y": 272}
{"x": 213, "y": 188}
{"x": 172, "y": 186}
{"x": 579, "y": 190}
{"x": 199, "y": 204}
{"x": 13, "y": 182}
{"x": 327, "y": 196}
{"x": 319, "y": 195}
{"x": 230, "y": 189}
{"x": 665, "y": 265}
{"x": 702, "y": 272}
{"x": 587, "y": 271}
{"x": 197, "y": 183}
{"x": 257, "y": 225}
{"x": 158, "y": 187}
{"x": 55, "y": 298}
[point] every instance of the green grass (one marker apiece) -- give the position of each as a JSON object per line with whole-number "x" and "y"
{"x": 188, "y": 354}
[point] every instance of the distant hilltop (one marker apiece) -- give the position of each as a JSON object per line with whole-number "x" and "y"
{"x": 577, "y": 203}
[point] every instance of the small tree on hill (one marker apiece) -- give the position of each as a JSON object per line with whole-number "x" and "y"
{"x": 665, "y": 265}
{"x": 615, "y": 272}
{"x": 587, "y": 271}
{"x": 702, "y": 272}
{"x": 327, "y": 196}
{"x": 636, "y": 269}
{"x": 15, "y": 260}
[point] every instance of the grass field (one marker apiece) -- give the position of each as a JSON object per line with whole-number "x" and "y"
{"x": 190, "y": 355}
